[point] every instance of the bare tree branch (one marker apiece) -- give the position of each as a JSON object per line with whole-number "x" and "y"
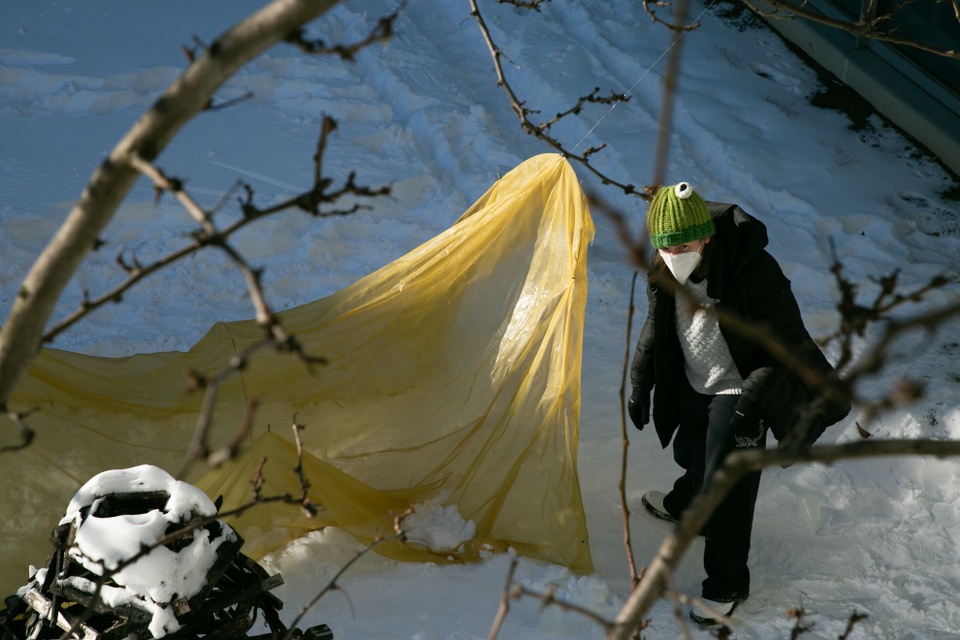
{"x": 869, "y": 28}
{"x": 162, "y": 183}
{"x": 382, "y": 32}
{"x": 736, "y": 466}
{"x": 541, "y": 130}
{"x": 514, "y": 591}
{"x": 548, "y": 599}
{"x": 855, "y": 618}
{"x": 635, "y": 576}
{"x": 22, "y": 332}
{"x": 524, "y": 4}
{"x": 310, "y": 201}
{"x": 199, "y": 448}
{"x": 398, "y": 535}
{"x": 679, "y": 26}
{"x": 508, "y": 594}
{"x": 307, "y": 508}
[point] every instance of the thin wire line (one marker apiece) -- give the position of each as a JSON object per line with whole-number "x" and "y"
{"x": 640, "y": 79}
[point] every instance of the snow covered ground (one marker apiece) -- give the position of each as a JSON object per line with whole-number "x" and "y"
{"x": 424, "y": 114}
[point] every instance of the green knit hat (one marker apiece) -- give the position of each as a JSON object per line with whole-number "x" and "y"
{"x": 678, "y": 215}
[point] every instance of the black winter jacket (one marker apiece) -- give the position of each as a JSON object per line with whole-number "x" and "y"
{"x": 748, "y": 282}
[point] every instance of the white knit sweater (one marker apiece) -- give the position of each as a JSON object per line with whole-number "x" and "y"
{"x": 707, "y": 360}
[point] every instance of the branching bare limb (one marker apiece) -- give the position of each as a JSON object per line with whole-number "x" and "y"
{"x": 399, "y": 535}
{"x": 227, "y": 452}
{"x": 549, "y": 599}
{"x": 162, "y": 183}
{"x": 382, "y": 32}
{"x": 307, "y": 508}
{"x": 679, "y": 26}
{"x": 735, "y": 467}
{"x": 318, "y": 195}
{"x": 590, "y": 98}
{"x": 515, "y": 591}
{"x": 855, "y": 618}
{"x": 209, "y": 235}
{"x": 870, "y": 28}
{"x": 541, "y": 130}
{"x": 135, "y": 273}
{"x": 524, "y": 4}
{"x": 22, "y": 332}
{"x": 199, "y": 448}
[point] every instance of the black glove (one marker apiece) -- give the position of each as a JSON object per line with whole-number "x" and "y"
{"x": 747, "y": 426}
{"x": 638, "y": 406}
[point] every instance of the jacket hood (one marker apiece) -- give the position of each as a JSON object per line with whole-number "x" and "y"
{"x": 740, "y": 239}
{"x": 740, "y": 235}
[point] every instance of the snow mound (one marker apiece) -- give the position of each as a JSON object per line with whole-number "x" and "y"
{"x": 121, "y": 514}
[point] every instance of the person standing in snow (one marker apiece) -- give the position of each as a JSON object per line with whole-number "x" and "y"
{"x": 712, "y": 389}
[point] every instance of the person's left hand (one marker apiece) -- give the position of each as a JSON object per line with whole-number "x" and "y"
{"x": 638, "y": 406}
{"x": 747, "y": 426}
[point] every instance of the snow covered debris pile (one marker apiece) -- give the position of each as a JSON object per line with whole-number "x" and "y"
{"x": 120, "y": 512}
{"x": 146, "y": 553}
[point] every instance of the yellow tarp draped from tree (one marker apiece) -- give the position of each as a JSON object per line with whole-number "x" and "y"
{"x": 452, "y": 375}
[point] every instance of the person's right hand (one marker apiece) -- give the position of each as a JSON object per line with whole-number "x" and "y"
{"x": 638, "y": 406}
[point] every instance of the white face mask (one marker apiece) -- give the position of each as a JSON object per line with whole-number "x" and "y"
{"x": 681, "y": 265}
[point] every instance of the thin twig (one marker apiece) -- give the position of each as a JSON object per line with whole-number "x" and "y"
{"x": 381, "y": 32}
{"x": 855, "y": 618}
{"x": 307, "y": 507}
{"x": 865, "y": 29}
{"x": 635, "y": 576}
{"x": 332, "y": 585}
{"x": 208, "y": 235}
{"x": 162, "y": 183}
{"x": 548, "y": 598}
{"x": 504, "y": 609}
{"x": 23, "y": 331}
{"x": 540, "y": 130}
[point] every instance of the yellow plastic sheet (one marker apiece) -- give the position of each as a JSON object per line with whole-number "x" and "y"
{"x": 453, "y": 374}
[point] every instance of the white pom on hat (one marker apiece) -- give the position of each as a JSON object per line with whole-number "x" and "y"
{"x": 683, "y": 190}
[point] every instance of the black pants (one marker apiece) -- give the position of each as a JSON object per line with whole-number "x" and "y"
{"x": 699, "y": 447}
